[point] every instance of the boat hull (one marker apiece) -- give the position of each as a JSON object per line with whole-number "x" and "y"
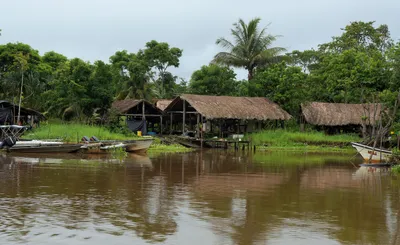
{"x": 100, "y": 148}
{"x": 65, "y": 148}
{"x": 370, "y": 154}
{"x": 138, "y": 146}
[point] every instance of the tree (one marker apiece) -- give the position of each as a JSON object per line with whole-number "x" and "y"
{"x": 213, "y": 80}
{"x": 54, "y": 60}
{"x": 16, "y": 60}
{"x": 285, "y": 85}
{"x": 144, "y": 74}
{"x": 131, "y": 75}
{"x": 308, "y": 60}
{"x": 68, "y": 94}
{"x": 251, "y": 47}
{"x": 100, "y": 91}
{"x": 354, "y": 65}
{"x": 160, "y": 57}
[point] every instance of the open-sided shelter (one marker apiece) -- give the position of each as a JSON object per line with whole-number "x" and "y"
{"x": 227, "y": 113}
{"x": 140, "y": 115}
{"x": 9, "y": 114}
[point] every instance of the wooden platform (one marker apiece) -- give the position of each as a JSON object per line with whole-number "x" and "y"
{"x": 207, "y": 143}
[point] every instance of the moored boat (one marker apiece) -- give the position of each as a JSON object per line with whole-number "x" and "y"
{"x": 62, "y": 148}
{"x": 101, "y": 148}
{"x": 138, "y": 146}
{"x": 371, "y": 154}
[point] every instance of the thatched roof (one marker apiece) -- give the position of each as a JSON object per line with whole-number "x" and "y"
{"x": 339, "y": 114}
{"x": 123, "y": 106}
{"x": 228, "y": 107}
{"x": 162, "y": 104}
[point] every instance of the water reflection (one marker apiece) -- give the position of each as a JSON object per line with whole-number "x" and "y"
{"x": 198, "y": 198}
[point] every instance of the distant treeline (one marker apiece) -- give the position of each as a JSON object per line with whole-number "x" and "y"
{"x": 360, "y": 65}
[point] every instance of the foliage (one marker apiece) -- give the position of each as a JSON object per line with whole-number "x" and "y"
{"x": 362, "y": 64}
{"x": 282, "y": 84}
{"x": 173, "y": 148}
{"x": 352, "y": 68}
{"x": 251, "y": 47}
{"x": 395, "y": 169}
{"x": 144, "y": 74}
{"x": 213, "y": 80}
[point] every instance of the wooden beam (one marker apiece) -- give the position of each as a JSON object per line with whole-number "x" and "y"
{"x": 180, "y": 112}
{"x": 184, "y": 116}
{"x": 141, "y": 115}
{"x": 170, "y": 124}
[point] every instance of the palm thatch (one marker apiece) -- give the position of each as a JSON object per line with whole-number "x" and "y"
{"x": 162, "y": 104}
{"x": 228, "y": 107}
{"x": 123, "y": 106}
{"x": 340, "y": 114}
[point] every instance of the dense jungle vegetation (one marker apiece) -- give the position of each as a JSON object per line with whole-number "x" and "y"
{"x": 360, "y": 65}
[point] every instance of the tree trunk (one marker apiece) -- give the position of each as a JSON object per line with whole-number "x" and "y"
{"x": 251, "y": 73}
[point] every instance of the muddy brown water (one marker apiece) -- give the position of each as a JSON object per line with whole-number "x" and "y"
{"x": 212, "y": 197}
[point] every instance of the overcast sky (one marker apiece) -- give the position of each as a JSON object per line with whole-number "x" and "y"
{"x": 96, "y": 29}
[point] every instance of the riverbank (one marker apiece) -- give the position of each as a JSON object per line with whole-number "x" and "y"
{"x": 271, "y": 140}
{"x": 73, "y": 133}
{"x": 311, "y": 141}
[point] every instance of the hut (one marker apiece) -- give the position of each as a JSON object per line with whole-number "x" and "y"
{"x": 9, "y": 114}
{"x": 141, "y": 115}
{"x": 336, "y": 117}
{"x": 226, "y": 114}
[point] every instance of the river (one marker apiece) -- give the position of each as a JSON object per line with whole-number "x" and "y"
{"x": 214, "y": 197}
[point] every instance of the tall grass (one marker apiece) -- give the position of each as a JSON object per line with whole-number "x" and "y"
{"x": 73, "y": 132}
{"x": 284, "y": 138}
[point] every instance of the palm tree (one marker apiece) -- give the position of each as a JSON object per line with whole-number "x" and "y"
{"x": 251, "y": 47}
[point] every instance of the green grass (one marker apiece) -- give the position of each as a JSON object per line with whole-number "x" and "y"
{"x": 173, "y": 148}
{"x": 396, "y": 169}
{"x": 71, "y": 132}
{"x": 284, "y": 138}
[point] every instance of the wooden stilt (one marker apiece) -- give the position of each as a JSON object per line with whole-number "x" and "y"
{"x": 170, "y": 123}
{"x": 161, "y": 125}
{"x": 198, "y": 128}
{"x": 184, "y": 117}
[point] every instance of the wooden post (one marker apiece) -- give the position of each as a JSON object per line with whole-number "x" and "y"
{"x": 198, "y": 126}
{"x": 161, "y": 125}
{"x": 170, "y": 124}
{"x": 184, "y": 117}
{"x": 220, "y": 129}
{"x": 201, "y": 133}
{"x": 143, "y": 116}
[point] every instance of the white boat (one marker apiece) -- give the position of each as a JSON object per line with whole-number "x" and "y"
{"x": 37, "y": 143}
{"x": 138, "y": 146}
{"x": 378, "y": 155}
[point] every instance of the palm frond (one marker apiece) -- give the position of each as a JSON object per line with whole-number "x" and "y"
{"x": 251, "y": 46}
{"x": 225, "y": 43}
{"x": 228, "y": 59}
